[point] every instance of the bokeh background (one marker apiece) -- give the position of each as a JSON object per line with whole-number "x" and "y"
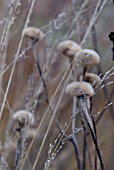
{"x": 54, "y": 17}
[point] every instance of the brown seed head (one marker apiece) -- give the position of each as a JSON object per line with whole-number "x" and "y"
{"x": 34, "y": 33}
{"x": 79, "y": 88}
{"x": 24, "y": 117}
{"x": 92, "y": 78}
{"x": 68, "y": 48}
{"x": 87, "y": 58}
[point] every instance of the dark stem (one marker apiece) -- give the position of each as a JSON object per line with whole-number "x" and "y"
{"x": 85, "y": 145}
{"x": 18, "y": 153}
{"x": 94, "y": 127}
{"x": 45, "y": 87}
{"x": 84, "y": 142}
{"x": 84, "y": 72}
{"x": 82, "y": 103}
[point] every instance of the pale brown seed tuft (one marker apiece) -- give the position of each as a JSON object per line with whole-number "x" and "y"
{"x": 34, "y": 33}
{"x": 79, "y": 88}
{"x": 68, "y": 48}
{"x": 92, "y": 78}
{"x": 87, "y": 58}
{"x": 24, "y": 117}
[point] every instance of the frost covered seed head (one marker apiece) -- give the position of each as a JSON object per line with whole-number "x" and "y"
{"x": 34, "y": 33}
{"x": 79, "y": 88}
{"x": 92, "y": 78}
{"x": 68, "y": 48}
{"x": 87, "y": 58}
{"x": 24, "y": 117}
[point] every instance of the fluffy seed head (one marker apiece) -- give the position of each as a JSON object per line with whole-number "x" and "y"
{"x": 34, "y": 33}
{"x": 24, "y": 117}
{"x": 79, "y": 88}
{"x": 68, "y": 48}
{"x": 87, "y": 58}
{"x": 92, "y": 78}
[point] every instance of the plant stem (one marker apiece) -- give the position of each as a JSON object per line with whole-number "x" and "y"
{"x": 86, "y": 114}
{"x": 85, "y": 145}
{"x": 74, "y": 139}
{"x": 45, "y": 87}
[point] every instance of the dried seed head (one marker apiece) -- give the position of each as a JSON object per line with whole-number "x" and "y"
{"x": 92, "y": 78}
{"x": 68, "y": 48}
{"x": 34, "y": 33}
{"x": 87, "y": 58}
{"x": 79, "y": 88}
{"x": 24, "y": 117}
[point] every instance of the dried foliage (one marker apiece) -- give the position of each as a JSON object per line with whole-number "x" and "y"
{"x": 43, "y": 55}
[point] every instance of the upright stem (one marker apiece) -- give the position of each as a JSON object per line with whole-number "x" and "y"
{"x": 86, "y": 114}
{"x": 94, "y": 127}
{"x": 45, "y": 87}
{"x": 18, "y": 153}
{"x": 74, "y": 140}
{"x": 85, "y": 145}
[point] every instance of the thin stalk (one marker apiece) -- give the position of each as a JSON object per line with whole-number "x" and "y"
{"x": 82, "y": 103}
{"x": 74, "y": 139}
{"x": 84, "y": 142}
{"x": 84, "y": 128}
{"x": 104, "y": 108}
{"x": 18, "y": 153}
{"x": 45, "y": 88}
{"x": 17, "y": 53}
{"x": 94, "y": 127}
{"x": 85, "y": 145}
{"x": 45, "y": 114}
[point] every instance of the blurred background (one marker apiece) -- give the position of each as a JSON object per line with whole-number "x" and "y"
{"x": 55, "y": 18}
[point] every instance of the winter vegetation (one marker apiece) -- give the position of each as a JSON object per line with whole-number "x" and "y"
{"x": 56, "y": 85}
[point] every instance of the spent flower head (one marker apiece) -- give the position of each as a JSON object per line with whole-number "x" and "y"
{"x": 34, "y": 33}
{"x": 79, "y": 88}
{"x": 91, "y": 78}
{"x": 68, "y": 48}
{"x": 24, "y": 117}
{"x": 87, "y": 58}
